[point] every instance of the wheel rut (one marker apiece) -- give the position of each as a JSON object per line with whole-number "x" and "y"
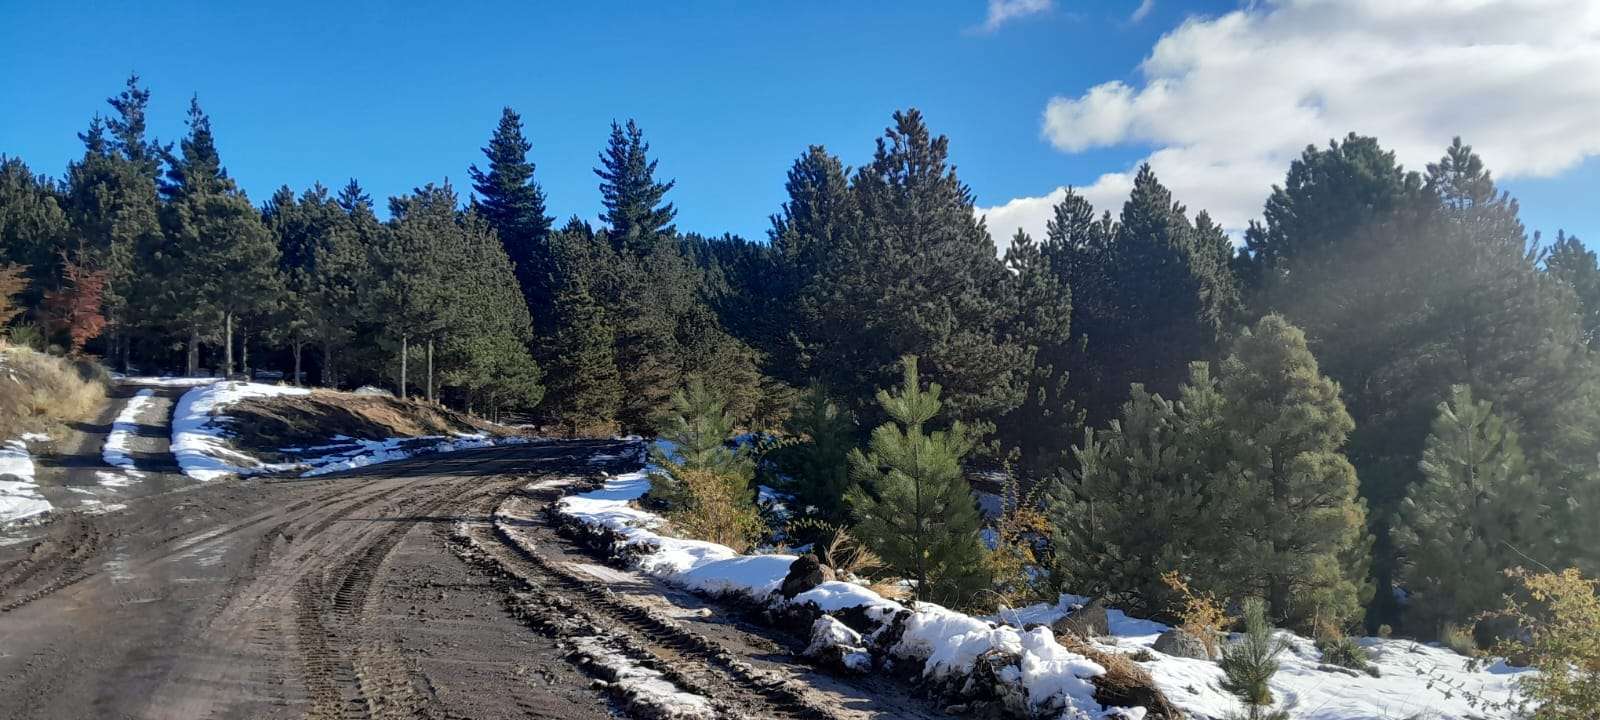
{"x": 554, "y": 601}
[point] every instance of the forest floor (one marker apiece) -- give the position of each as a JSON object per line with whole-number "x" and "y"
{"x": 382, "y": 592}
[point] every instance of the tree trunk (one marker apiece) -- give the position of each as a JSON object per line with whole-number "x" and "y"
{"x": 297, "y": 346}
{"x": 227, "y": 345}
{"x": 404, "y": 346}
{"x": 328, "y": 379}
{"x": 430, "y": 371}
{"x": 244, "y": 350}
{"x": 191, "y": 363}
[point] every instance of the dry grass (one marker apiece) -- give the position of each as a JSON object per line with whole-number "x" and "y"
{"x": 266, "y": 424}
{"x": 1125, "y": 683}
{"x": 38, "y": 391}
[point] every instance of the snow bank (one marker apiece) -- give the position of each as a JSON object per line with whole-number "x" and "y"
{"x": 117, "y": 452}
{"x": 19, "y": 495}
{"x": 1414, "y": 680}
{"x": 198, "y": 439}
{"x": 944, "y": 643}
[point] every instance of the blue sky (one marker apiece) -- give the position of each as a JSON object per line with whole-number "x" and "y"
{"x": 399, "y": 94}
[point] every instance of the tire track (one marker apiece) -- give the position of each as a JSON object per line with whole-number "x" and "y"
{"x": 348, "y": 676}
{"x": 554, "y": 601}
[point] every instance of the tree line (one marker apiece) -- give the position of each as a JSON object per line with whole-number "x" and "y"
{"x": 1381, "y": 401}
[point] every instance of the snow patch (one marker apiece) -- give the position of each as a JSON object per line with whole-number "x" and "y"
{"x": 645, "y": 690}
{"x": 19, "y": 494}
{"x": 117, "y": 451}
{"x": 198, "y": 432}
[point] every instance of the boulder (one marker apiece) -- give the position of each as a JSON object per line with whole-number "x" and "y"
{"x": 1085, "y": 622}
{"x": 805, "y": 573}
{"x": 1178, "y": 642}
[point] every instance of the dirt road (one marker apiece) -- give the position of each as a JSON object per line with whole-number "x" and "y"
{"x": 384, "y": 593}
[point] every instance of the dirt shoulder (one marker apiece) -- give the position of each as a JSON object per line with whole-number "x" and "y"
{"x": 267, "y": 425}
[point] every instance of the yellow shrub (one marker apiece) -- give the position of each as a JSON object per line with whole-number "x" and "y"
{"x": 1013, "y": 560}
{"x": 1563, "y": 641}
{"x": 717, "y": 508}
{"x": 1201, "y": 614}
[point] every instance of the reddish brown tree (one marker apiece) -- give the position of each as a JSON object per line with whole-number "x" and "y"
{"x": 12, "y": 283}
{"x": 75, "y": 308}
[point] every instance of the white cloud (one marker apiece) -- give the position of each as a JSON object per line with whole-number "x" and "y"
{"x": 1003, "y": 11}
{"x": 1139, "y": 13}
{"x": 1228, "y": 102}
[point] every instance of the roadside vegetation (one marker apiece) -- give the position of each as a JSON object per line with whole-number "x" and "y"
{"x": 39, "y": 392}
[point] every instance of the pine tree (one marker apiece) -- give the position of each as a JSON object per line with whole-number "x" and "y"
{"x": 219, "y": 263}
{"x": 700, "y": 431}
{"x": 1167, "y": 299}
{"x": 913, "y": 504}
{"x": 807, "y": 236}
{"x": 817, "y": 461}
{"x": 636, "y": 218}
{"x": 1138, "y": 502}
{"x": 585, "y": 385}
{"x": 114, "y": 211}
{"x": 918, "y": 275}
{"x": 1041, "y": 428}
{"x": 324, "y": 264}
{"x": 416, "y": 262}
{"x": 1410, "y": 285}
{"x": 514, "y": 205}
{"x": 1250, "y": 663}
{"x": 486, "y": 351}
{"x": 1240, "y": 486}
{"x": 1477, "y": 512}
{"x": 1570, "y": 262}
{"x": 1301, "y": 532}
{"x": 1327, "y": 197}
{"x": 33, "y": 227}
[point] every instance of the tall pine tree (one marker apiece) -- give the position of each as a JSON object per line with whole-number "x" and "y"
{"x": 510, "y": 199}
{"x": 635, "y": 215}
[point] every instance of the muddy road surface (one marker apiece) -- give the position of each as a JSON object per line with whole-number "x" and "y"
{"x": 393, "y": 592}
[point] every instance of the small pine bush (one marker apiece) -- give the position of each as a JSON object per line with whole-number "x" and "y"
{"x": 1344, "y": 651}
{"x": 1250, "y": 662}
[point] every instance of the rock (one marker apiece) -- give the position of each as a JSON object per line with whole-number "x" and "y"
{"x": 1178, "y": 642}
{"x": 1085, "y": 622}
{"x": 834, "y": 645}
{"x": 805, "y": 573}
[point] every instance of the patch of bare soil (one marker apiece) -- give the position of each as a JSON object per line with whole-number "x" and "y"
{"x": 267, "y": 424}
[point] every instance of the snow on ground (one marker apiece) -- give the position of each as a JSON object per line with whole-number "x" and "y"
{"x": 117, "y": 449}
{"x": 19, "y": 495}
{"x": 167, "y": 381}
{"x": 644, "y": 690}
{"x": 1056, "y": 680}
{"x": 1414, "y": 680}
{"x": 198, "y": 429}
{"x": 361, "y": 453}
